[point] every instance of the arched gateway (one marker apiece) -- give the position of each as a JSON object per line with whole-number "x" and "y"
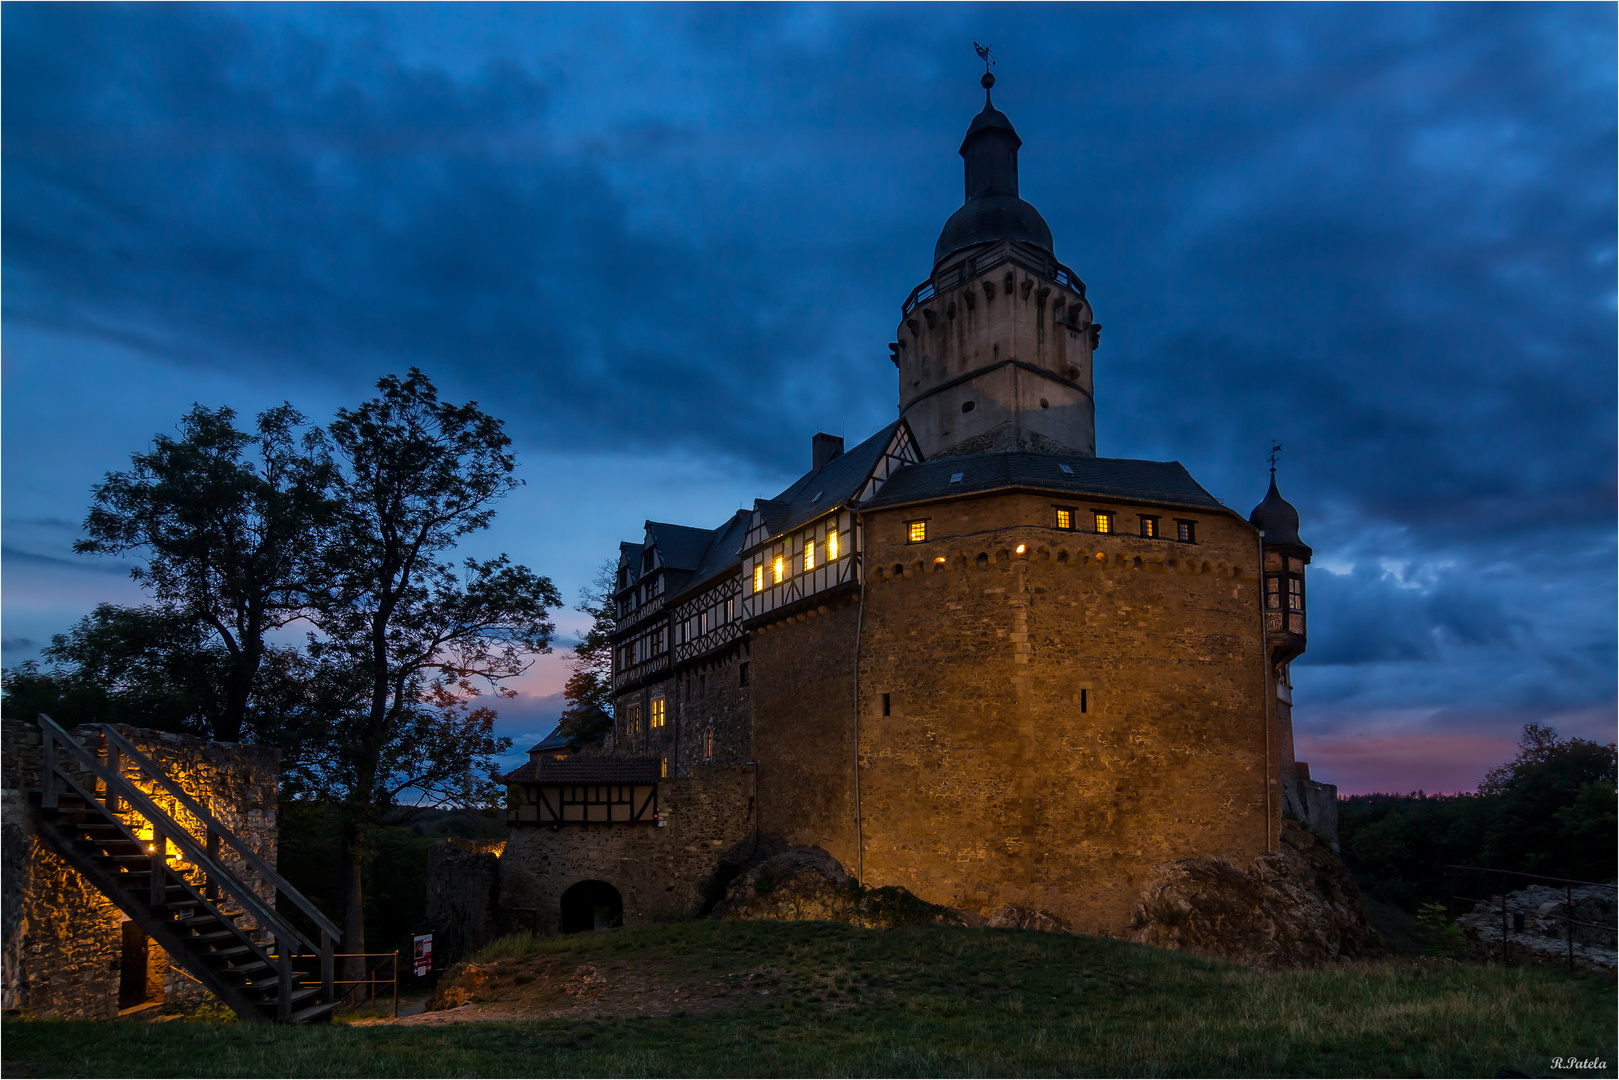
{"x": 591, "y": 905}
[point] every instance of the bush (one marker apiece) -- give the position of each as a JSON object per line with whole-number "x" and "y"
{"x": 1440, "y": 936}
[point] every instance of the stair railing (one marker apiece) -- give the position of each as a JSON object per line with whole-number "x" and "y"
{"x": 205, "y": 855}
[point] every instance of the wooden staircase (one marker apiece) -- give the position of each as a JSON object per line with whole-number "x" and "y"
{"x": 212, "y": 924}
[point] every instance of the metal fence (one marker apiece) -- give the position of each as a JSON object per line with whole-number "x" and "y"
{"x": 1465, "y": 879}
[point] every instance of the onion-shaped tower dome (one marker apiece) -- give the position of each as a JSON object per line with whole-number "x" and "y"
{"x": 992, "y": 210}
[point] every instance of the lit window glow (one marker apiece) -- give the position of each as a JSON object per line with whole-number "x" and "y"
{"x": 917, "y": 531}
{"x": 1065, "y": 519}
{"x": 781, "y": 569}
{"x": 809, "y": 555}
{"x": 1104, "y": 522}
{"x": 657, "y": 712}
{"x": 759, "y": 578}
{"x": 664, "y": 767}
{"x": 832, "y": 544}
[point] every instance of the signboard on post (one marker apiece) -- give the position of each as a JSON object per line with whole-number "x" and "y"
{"x": 424, "y": 954}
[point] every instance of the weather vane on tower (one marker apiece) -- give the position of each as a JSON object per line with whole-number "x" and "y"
{"x": 1275, "y": 448}
{"x": 983, "y": 54}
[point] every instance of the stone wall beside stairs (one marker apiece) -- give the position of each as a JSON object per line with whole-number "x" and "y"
{"x": 63, "y": 940}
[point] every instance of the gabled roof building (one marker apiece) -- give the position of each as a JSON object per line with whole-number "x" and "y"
{"x": 966, "y": 655}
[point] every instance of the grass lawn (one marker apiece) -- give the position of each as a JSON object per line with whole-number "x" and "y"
{"x": 817, "y": 999}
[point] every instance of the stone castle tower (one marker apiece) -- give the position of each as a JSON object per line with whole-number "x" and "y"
{"x": 966, "y": 656}
{"x": 994, "y": 349}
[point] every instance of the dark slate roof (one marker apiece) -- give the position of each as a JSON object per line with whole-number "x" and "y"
{"x": 554, "y": 741}
{"x": 724, "y": 549}
{"x": 588, "y": 770}
{"x": 1120, "y": 478}
{"x": 1276, "y": 519}
{"x": 990, "y": 218}
{"x": 990, "y": 117}
{"x": 838, "y": 481}
{"x": 680, "y": 547}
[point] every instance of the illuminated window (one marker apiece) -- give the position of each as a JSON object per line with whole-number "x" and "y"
{"x": 708, "y": 743}
{"x": 759, "y": 578}
{"x": 657, "y": 712}
{"x": 781, "y": 569}
{"x": 1149, "y": 526}
{"x": 1065, "y": 518}
{"x": 1186, "y": 532}
{"x": 663, "y": 768}
{"x": 1104, "y": 521}
{"x": 831, "y": 544}
{"x": 809, "y": 555}
{"x": 916, "y": 531}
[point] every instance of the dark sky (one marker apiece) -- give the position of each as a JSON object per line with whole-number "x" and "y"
{"x": 667, "y": 244}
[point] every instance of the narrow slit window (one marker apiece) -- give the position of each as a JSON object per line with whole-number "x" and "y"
{"x": 888, "y": 705}
{"x": 742, "y": 674}
{"x": 1084, "y": 701}
{"x": 663, "y": 768}
{"x": 809, "y": 555}
{"x": 708, "y": 743}
{"x": 832, "y": 544}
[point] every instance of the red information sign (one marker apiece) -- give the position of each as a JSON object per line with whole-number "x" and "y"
{"x": 424, "y": 954}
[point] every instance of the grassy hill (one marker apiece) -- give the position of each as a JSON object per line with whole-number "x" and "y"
{"x": 790, "y": 999}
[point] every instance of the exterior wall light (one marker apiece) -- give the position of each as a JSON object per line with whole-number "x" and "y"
{"x": 1021, "y": 548}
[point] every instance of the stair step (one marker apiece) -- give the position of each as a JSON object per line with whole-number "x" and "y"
{"x": 274, "y": 981}
{"x": 201, "y": 920}
{"x": 270, "y": 1004}
{"x": 217, "y": 935}
{"x": 246, "y": 969}
{"x": 314, "y": 1013}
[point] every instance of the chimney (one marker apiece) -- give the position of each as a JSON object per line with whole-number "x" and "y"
{"x": 824, "y": 448}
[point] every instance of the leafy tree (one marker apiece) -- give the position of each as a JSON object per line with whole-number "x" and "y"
{"x": 1555, "y": 808}
{"x": 408, "y": 635}
{"x": 226, "y": 520}
{"x": 589, "y": 689}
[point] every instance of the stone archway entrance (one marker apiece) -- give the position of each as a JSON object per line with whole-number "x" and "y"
{"x": 591, "y": 905}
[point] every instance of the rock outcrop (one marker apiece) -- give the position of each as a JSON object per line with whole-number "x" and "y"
{"x": 1548, "y": 924}
{"x": 803, "y": 884}
{"x": 1296, "y": 908}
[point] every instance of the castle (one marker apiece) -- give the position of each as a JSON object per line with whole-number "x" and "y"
{"x": 967, "y": 655}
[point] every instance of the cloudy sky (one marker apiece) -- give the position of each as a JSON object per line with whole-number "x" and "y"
{"x": 667, "y": 244}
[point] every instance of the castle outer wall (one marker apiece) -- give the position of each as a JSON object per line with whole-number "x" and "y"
{"x": 1063, "y": 719}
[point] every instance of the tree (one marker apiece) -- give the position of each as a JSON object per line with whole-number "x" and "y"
{"x": 230, "y": 542}
{"x": 408, "y": 635}
{"x": 589, "y": 689}
{"x": 1555, "y": 812}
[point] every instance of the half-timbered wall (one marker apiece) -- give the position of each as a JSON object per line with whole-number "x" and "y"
{"x": 709, "y": 621}
{"x": 760, "y": 566}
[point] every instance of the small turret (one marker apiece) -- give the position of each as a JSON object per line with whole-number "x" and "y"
{"x": 1285, "y": 557}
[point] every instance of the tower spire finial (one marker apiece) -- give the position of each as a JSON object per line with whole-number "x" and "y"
{"x": 1275, "y": 448}
{"x": 989, "y": 78}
